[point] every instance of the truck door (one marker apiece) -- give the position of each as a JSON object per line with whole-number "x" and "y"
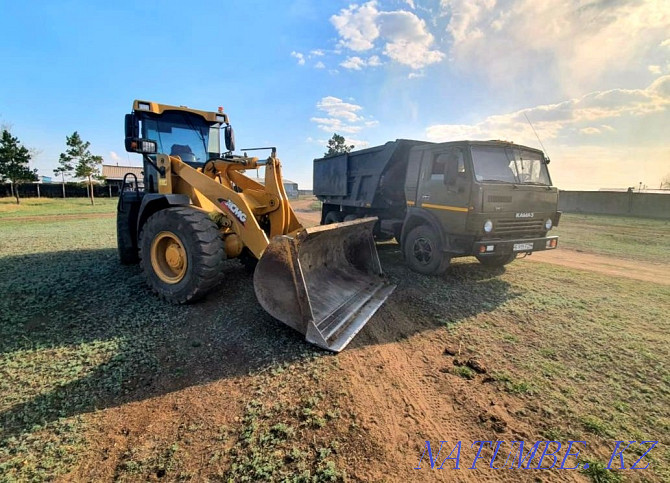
{"x": 444, "y": 189}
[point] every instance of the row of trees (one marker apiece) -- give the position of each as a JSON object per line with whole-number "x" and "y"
{"x": 77, "y": 159}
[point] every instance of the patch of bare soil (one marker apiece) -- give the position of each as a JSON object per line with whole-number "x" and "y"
{"x": 616, "y": 267}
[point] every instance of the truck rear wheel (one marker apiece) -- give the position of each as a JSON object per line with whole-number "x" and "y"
{"x": 423, "y": 251}
{"x": 181, "y": 254}
{"x": 496, "y": 261}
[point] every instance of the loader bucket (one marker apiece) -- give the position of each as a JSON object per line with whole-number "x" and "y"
{"x": 325, "y": 282}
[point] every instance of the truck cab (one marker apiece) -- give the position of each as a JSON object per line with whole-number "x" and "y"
{"x": 489, "y": 199}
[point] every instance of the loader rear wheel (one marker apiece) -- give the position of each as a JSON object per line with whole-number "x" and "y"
{"x": 423, "y": 251}
{"x": 181, "y": 254}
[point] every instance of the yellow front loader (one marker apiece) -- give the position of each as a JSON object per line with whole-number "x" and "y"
{"x": 195, "y": 207}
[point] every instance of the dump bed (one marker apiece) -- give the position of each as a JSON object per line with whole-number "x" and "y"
{"x": 371, "y": 178}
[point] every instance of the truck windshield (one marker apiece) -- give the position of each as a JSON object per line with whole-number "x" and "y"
{"x": 184, "y": 135}
{"x": 509, "y": 165}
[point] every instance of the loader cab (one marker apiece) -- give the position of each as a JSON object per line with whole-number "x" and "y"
{"x": 192, "y": 135}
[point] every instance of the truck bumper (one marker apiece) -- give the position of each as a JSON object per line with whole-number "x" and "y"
{"x": 524, "y": 245}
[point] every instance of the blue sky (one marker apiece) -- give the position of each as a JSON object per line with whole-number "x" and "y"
{"x": 593, "y": 76}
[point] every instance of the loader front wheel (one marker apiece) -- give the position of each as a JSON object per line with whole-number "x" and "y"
{"x": 181, "y": 254}
{"x": 423, "y": 251}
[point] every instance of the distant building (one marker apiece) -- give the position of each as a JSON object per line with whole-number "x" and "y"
{"x": 114, "y": 174}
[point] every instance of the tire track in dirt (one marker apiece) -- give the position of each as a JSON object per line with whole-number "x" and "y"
{"x": 612, "y": 266}
{"x": 399, "y": 384}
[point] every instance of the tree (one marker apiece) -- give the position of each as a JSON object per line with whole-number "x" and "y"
{"x": 86, "y": 165}
{"x": 65, "y": 167}
{"x": 336, "y": 145}
{"x": 14, "y": 162}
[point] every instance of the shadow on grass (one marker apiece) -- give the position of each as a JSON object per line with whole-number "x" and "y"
{"x": 424, "y": 302}
{"x": 84, "y": 303}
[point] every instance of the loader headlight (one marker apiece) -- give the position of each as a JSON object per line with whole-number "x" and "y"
{"x": 488, "y": 226}
{"x": 548, "y": 224}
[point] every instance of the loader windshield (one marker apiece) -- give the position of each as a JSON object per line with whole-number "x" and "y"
{"x": 509, "y": 165}
{"x": 185, "y": 135}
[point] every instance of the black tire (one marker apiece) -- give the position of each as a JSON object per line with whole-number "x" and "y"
{"x": 203, "y": 248}
{"x": 350, "y": 218}
{"x": 423, "y": 251}
{"x": 127, "y": 250}
{"x": 333, "y": 217}
{"x": 497, "y": 260}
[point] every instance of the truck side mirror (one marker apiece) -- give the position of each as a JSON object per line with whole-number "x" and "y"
{"x": 229, "y": 137}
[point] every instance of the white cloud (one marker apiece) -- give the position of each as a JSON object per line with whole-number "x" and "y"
{"x": 654, "y": 69}
{"x": 572, "y": 45}
{"x": 665, "y": 43}
{"x": 357, "y": 26}
{"x": 353, "y": 63}
{"x": 299, "y": 56}
{"x": 374, "y": 61}
{"x": 416, "y": 75}
{"x": 588, "y": 152}
{"x": 317, "y": 53}
{"x": 554, "y": 120}
{"x": 411, "y": 4}
{"x": 340, "y": 116}
{"x": 406, "y": 38}
{"x": 114, "y": 157}
{"x": 357, "y": 63}
{"x": 319, "y": 65}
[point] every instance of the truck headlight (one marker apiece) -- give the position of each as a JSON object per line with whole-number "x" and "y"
{"x": 488, "y": 226}
{"x": 548, "y": 224}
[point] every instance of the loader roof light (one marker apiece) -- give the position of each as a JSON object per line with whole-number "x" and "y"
{"x": 220, "y": 110}
{"x": 488, "y": 226}
{"x": 144, "y": 106}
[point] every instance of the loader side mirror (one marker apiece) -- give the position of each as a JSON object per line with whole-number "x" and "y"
{"x": 139, "y": 145}
{"x": 229, "y": 137}
{"x": 132, "y": 126}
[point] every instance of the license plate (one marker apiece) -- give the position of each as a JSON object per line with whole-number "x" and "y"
{"x": 522, "y": 247}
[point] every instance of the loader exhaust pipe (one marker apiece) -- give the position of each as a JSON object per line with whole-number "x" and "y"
{"x": 325, "y": 282}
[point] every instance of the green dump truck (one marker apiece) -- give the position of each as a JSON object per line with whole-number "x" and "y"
{"x": 490, "y": 199}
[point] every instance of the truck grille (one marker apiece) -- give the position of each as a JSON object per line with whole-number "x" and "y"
{"x": 521, "y": 227}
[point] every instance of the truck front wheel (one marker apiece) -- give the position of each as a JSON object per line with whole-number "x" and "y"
{"x": 423, "y": 251}
{"x": 496, "y": 261}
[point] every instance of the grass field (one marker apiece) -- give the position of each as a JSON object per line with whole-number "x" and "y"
{"x": 100, "y": 380}
{"x": 618, "y": 236}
